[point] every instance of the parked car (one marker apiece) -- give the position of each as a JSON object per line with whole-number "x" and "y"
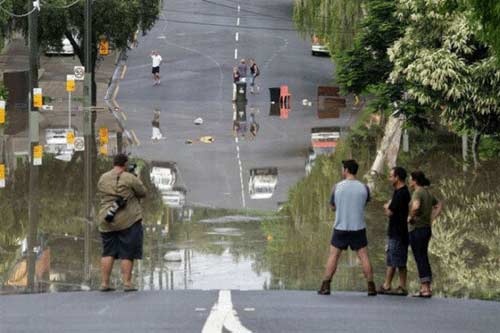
{"x": 319, "y": 47}
{"x": 66, "y": 49}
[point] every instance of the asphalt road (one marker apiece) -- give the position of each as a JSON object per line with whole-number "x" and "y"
{"x": 198, "y": 41}
{"x": 242, "y": 311}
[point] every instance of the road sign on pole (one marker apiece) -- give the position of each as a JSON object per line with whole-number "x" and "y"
{"x": 37, "y": 154}
{"x": 70, "y": 83}
{"x": 79, "y": 143}
{"x": 2, "y": 112}
{"x": 103, "y": 135}
{"x": 104, "y": 47}
{"x": 79, "y": 72}
{"x": 2, "y": 175}
{"x": 37, "y": 97}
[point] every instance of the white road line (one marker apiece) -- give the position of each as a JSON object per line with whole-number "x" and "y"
{"x": 235, "y": 53}
{"x": 237, "y": 36}
{"x": 223, "y": 316}
{"x": 238, "y": 22}
{"x": 238, "y": 149}
{"x": 238, "y": 8}
{"x": 249, "y": 309}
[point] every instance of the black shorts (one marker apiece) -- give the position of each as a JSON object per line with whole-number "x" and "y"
{"x": 123, "y": 244}
{"x": 156, "y": 70}
{"x": 356, "y": 240}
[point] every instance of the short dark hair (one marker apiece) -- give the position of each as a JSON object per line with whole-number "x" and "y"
{"x": 351, "y": 166}
{"x": 400, "y": 172}
{"x": 120, "y": 160}
{"x": 419, "y": 177}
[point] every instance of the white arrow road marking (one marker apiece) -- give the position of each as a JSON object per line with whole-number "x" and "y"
{"x": 223, "y": 315}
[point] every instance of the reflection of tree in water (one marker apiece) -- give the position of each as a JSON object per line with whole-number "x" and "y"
{"x": 465, "y": 242}
{"x": 61, "y": 222}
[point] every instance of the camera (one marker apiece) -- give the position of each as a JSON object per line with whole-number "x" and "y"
{"x": 117, "y": 204}
{"x": 131, "y": 168}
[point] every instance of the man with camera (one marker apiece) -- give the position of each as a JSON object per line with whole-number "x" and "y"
{"x": 120, "y": 220}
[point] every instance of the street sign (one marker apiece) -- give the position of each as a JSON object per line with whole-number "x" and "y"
{"x": 70, "y": 83}
{"x": 37, "y": 155}
{"x": 79, "y": 73}
{"x": 103, "y": 135}
{"x": 2, "y": 175}
{"x": 70, "y": 138}
{"x": 37, "y": 97}
{"x": 103, "y": 149}
{"x": 104, "y": 47}
{"x": 79, "y": 143}
{"x": 2, "y": 112}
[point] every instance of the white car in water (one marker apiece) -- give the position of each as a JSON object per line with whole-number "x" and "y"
{"x": 319, "y": 47}
{"x": 262, "y": 183}
{"x": 66, "y": 49}
{"x": 163, "y": 175}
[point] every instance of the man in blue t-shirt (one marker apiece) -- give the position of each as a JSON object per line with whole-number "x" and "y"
{"x": 397, "y": 233}
{"x": 349, "y": 198}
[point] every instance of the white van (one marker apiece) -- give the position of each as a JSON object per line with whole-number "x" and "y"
{"x": 262, "y": 183}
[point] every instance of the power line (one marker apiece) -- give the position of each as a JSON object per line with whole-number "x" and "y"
{"x": 61, "y": 7}
{"x": 17, "y": 15}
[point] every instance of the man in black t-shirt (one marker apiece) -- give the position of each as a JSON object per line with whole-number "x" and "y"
{"x": 397, "y": 233}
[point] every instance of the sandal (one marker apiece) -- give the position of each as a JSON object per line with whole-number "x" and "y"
{"x": 422, "y": 295}
{"x": 384, "y": 291}
{"x": 130, "y": 289}
{"x": 400, "y": 291}
{"x": 106, "y": 289}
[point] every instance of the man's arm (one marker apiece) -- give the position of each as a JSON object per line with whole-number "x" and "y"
{"x": 436, "y": 210}
{"x": 332, "y": 199}
{"x": 138, "y": 187}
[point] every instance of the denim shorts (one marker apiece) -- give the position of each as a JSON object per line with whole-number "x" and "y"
{"x": 397, "y": 253}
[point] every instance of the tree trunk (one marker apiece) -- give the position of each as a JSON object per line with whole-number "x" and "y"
{"x": 388, "y": 150}
{"x": 475, "y": 147}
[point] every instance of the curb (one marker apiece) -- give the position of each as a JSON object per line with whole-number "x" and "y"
{"x": 112, "y": 92}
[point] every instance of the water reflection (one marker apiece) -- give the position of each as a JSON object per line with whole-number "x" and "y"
{"x": 262, "y": 182}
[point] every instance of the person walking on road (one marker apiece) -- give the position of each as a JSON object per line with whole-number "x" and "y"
{"x": 242, "y": 70}
{"x": 254, "y": 125}
{"x": 236, "y": 79}
{"x": 349, "y": 198}
{"x": 157, "y": 134}
{"x": 397, "y": 233}
{"x": 120, "y": 221}
{"x": 156, "y": 62}
{"x": 254, "y": 72}
{"x": 424, "y": 208}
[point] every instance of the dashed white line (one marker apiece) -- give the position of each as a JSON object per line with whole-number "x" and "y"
{"x": 238, "y": 22}
{"x": 238, "y": 8}
{"x": 237, "y": 36}
{"x": 235, "y": 53}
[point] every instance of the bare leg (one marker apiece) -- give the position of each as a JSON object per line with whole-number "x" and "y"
{"x": 403, "y": 272}
{"x": 365, "y": 263}
{"x": 331, "y": 264}
{"x": 106, "y": 268}
{"x": 127, "y": 266}
{"x": 389, "y": 275}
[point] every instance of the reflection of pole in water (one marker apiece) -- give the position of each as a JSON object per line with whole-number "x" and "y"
{"x": 172, "y": 280}
{"x": 185, "y": 268}
{"x": 160, "y": 272}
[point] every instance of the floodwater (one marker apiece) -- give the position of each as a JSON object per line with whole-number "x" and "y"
{"x": 189, "y": 247}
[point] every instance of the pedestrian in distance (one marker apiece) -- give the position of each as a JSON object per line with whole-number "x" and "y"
{"x": 424, "y": 208}
{"x": 120, "y": 220}
{"x": 157, "y": 133}
{"x": 236, "y": 79}
{"x": 156, "y": 62}
{"x": 349, "y": 198}
{"x": 254, "y": 72}
{"x": 242, "y": 70}
{"x": 397, "y": 233}
{"x": 254, "y": 125}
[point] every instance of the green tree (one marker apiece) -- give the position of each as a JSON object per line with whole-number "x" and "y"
{"x": 488, "y": 12}
{"x": 336, "y": 21}
{"x": 116, "y": 20}
{"x": 446, "y": 67}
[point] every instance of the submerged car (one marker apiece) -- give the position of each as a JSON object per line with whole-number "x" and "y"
{"x": 65, "y": 49}
{"x": 262, "y": 183}
{"x": 318, "y": 46}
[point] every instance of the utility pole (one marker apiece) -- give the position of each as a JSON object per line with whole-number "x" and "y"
{"x": 87, "y": 132}
{"x": 33, "y": 124}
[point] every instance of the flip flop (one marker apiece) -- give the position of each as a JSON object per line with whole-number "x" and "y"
{"x": 130, "y": 289}
{"x": 422, "y": 295}
{"x": 106, "y": 289}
